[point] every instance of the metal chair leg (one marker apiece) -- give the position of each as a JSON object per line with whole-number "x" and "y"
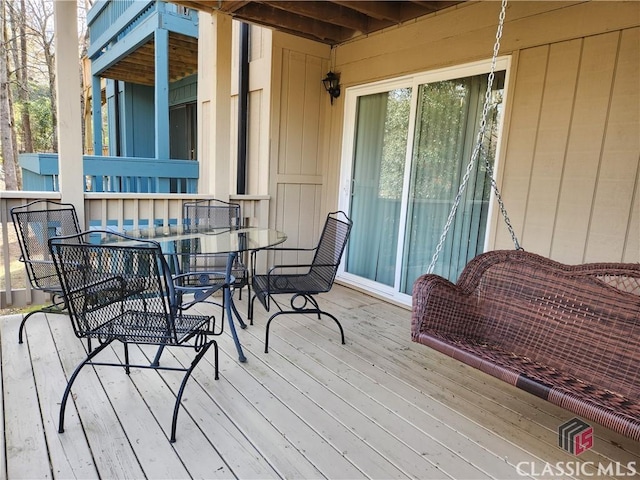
{"x": 67, "y": 390}
{"x": 176, "y": 407}
{"x": 24, "y": 320}
{"x": 318, "y": 312}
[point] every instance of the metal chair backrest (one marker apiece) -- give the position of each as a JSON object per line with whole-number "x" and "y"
{"x": 35, "y": 223}
{"x": 331, "y": 246}
{"x": 116, "y": 290}
{"x": 211, "y": 213}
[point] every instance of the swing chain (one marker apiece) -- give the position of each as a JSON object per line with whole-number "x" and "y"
{"x": 476, "y": 151}
{"x": 503, "y": 209}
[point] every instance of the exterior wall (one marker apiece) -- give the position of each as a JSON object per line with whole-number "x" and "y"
{"x": 137, "y": 126}
{"x": 569, "y": 167}
{"x": 299, "y": 131}
{"x": 137, "y": 111}
{"x": 183, "y": 91}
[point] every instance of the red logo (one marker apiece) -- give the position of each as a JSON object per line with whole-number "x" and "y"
{"x": 575, "y": 436}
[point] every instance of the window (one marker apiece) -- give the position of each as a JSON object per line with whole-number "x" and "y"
{"x": 407, "y": 146}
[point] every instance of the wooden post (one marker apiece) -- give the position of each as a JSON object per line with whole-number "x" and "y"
{"x": 67, "y": 70}
{"x": 214, "y": 108}
{"x": 96, "y": 108}
{"x": 162, "y": 93}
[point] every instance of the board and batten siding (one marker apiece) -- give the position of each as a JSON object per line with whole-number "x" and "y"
{"x": 298, "y": 140}
{"x": 569, "y": 162}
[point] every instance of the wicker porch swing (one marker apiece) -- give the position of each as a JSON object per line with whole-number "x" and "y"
{"x": 569, "y": 334}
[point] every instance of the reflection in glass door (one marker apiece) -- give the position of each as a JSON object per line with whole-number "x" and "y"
{"x": 447, "y": 124}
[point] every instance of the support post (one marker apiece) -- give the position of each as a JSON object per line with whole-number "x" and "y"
{"x": 67, "y": 68}
{"x": 162, "y": 93}
{"x": 214, "y": 108}
{"x": 96, "y": 111}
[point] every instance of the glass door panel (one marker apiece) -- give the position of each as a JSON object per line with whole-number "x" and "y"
{"x": 447, "y": 125}
{"x": 382, "y": 122}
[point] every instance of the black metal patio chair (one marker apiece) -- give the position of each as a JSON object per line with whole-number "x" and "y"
{"x": 124, "y": 292}
{"x": 304, "y": 281}
{"x": 35, "y": 223}
{"x": 208, "y": 269}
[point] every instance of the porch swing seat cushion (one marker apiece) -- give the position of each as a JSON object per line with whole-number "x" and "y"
{"x": 568, "y": 334}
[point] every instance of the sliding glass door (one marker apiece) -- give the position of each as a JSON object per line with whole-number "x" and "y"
{"x": 410, "y": 147}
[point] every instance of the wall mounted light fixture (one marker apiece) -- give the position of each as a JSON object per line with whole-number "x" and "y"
{"x": 332, "y": 85}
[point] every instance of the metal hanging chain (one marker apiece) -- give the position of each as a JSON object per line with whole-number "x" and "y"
{"x": 476, "y": 152}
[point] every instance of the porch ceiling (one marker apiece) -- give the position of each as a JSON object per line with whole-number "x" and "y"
{"x": 139, "y": 66}
{"x": 331, "y": 22}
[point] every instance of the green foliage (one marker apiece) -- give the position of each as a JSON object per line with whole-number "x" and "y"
{"x": 40, "y": 116}
{"x": 42, "y": 124}
{"x": 394, "y": 150}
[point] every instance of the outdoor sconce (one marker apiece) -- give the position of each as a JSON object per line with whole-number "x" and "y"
{"x": 332, "y": 85}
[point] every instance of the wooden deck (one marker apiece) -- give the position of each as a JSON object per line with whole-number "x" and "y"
{"x": 378, "y": 407}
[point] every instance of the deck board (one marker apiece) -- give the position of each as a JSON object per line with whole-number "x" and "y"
{"x": 25, "y": 447}
{"x": 378, "y": 407}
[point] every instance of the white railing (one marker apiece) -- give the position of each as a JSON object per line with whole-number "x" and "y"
{"x": 121, "y": 211}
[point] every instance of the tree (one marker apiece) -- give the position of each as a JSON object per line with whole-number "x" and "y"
{"x": 40, "y": 14}
{"x": 18, "y": 25}
{"x": 6, "y": 119}
{"x": 28, "y": 97}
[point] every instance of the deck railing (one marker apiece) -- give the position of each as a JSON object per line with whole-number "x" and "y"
{"x": 114, "y": 174}
{"x": 111, "y": 20}
{"x": 118, "y": 211}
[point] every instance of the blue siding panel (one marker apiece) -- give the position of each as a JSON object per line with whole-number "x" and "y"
{"x": 137, "y": 121}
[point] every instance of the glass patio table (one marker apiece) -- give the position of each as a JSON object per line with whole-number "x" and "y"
{"x": 176, "y": 239}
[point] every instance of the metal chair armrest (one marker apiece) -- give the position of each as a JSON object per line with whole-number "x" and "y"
{"x": 35, "y": 262}
{"x": 277, "y": 249}
{"x": 299, "y": 265}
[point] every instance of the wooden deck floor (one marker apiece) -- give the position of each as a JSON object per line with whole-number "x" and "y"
{"x": 378, "y": 407}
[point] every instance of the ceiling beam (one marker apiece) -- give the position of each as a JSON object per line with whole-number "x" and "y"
{"x": 377, "y": 10}
{"x": 230, "y": 6}
{"x": 339, "y": 15}
{"x": 265, "y": 14}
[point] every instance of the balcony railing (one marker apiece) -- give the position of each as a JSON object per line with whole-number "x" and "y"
{"x": 119, "y": 211}
{"x": 114, "y": 174}
{"x": 111, "y": 20}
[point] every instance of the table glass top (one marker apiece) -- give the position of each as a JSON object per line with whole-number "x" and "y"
{"x": 209, "y": 240}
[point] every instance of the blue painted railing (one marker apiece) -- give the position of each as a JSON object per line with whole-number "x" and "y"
{"x": 113, "y": 174}
{"x": 109, "y": 21}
